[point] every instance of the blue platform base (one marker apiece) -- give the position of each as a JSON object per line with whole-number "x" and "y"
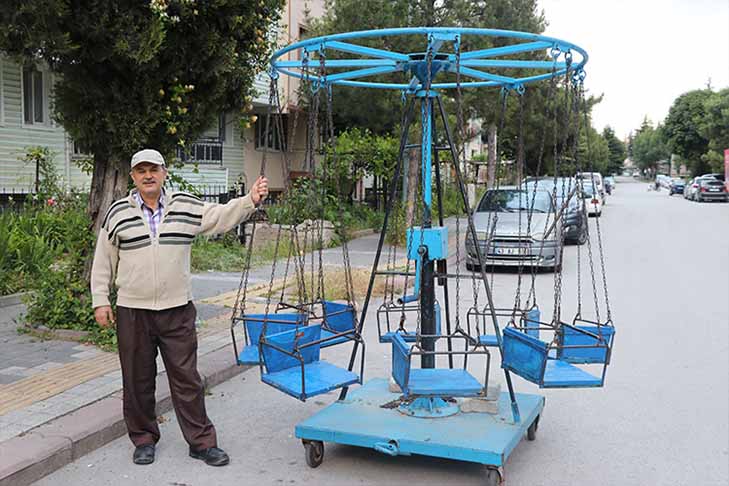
{"x": 474, "y": 437}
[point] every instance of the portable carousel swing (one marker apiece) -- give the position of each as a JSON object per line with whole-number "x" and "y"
{"x": 285, "y": 342}
{"x": 394, "y": 420}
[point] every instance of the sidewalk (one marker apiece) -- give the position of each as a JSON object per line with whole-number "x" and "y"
{"x": 60, "y": 400}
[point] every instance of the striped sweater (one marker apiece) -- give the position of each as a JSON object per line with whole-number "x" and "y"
{"x": 154, "y": 272}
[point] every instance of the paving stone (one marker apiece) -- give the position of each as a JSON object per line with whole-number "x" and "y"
{"x": 11, "y": 430}
{"x": 7, "y": 379}
{"x": 12, "y": 370}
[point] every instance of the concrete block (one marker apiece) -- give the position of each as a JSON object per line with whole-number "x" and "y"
{"x": 479, "y": 405}
{"x": 393, "y": 387}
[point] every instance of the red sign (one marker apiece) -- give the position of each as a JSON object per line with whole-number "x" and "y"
{"x": 726, "y": 168}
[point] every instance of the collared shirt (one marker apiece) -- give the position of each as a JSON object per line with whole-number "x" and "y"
{"x": 154, "y": 218}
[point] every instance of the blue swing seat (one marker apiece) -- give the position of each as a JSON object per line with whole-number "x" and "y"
{"x": 530, "y": 358}
{"x": 275, "y": 323}
{"x": 599, "y": 338}
{"x": 338, "y": 318}
{"x": 291, "y": 364}
{"x": 530, "y": 321}
{"x": 434, "y": 382}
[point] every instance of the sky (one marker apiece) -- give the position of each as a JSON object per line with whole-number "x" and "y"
{"x": 644, "y": 53}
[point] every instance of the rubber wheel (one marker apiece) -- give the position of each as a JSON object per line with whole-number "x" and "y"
{"x": 314, "y": 451}
{"x": 582, "y": 239}
{"x": 493, "y": 477}
{"x": 532, "y": 430}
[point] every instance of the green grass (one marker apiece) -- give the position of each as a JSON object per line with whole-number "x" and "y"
{"x": 227, "y": 255}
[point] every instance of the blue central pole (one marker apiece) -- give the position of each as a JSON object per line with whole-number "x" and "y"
{"x": 427, "y": 265}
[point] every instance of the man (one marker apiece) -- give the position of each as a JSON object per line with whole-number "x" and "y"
{"x": 144, "y": 248}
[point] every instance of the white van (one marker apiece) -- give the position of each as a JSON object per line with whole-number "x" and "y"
{"x": 588, "y": 177}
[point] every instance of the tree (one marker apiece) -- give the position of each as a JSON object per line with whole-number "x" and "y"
{"x": 682, "y": 129}
{"x": 715, "y": 128}
{"x": 650, "y": 146}
{"x": 616, "y": 151}
{"x": 136, "y": 73}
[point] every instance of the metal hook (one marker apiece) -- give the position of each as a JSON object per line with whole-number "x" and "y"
{"x": 555, "y": 52}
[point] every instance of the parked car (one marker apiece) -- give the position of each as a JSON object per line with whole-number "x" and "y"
{"x": 588, "y": 178}
{"x": 711, "y": 189}
{"x": 509, "y": 242}
{"x": 574, "y": 223}
{"x": 692, "y": 189}
{"x": 677, "y": 186}
{"x": 592, "y": 200}
{"x": 663, "y": 180}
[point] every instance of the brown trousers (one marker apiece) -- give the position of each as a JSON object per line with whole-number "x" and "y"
{"x": 140, "y": 332}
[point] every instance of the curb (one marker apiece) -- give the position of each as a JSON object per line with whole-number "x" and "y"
{"x": 12, "y": 299}
{"x": 49, "y": 447}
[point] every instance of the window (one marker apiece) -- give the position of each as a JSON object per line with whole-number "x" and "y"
{"x": 33, "y": 96}
{"x": 221, "y": 127}
{"x": 275, "y": 139}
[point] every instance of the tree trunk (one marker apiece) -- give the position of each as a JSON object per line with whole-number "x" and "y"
{"x": 412, "y": 188}
{"x": 492, "y": 157}
{"x": 109, "y": 182}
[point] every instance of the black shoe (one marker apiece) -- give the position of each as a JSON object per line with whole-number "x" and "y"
{"x": 212, "y": 457}
{"x": 144, "y": 454}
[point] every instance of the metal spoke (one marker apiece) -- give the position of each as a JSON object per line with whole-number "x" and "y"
{"x": 366, "y": 51}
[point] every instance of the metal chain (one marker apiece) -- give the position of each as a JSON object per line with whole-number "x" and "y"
{"x": 559, "y": 147}
{"x": 532, "y": 296}
{"x": 326, "y": 168}
{"x": 242, "y": 293}
{"x": 460, "y": 151}
{"x": 601, "y": 252}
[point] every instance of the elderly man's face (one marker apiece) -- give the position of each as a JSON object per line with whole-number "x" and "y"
{"x": 149, "y": 179}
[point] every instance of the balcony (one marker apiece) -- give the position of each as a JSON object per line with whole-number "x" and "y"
{"x": 206, "y": 151}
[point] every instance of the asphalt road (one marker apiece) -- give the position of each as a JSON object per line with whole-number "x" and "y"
{"x": 661, "y": 419}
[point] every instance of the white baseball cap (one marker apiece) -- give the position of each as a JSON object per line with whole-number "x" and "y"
{"x": 148, "y": 155}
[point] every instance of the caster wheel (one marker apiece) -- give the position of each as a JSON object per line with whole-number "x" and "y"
{"x": 314, "y": 451}
{"x": 493, "y": 477}
{"x": 532, "y": 430}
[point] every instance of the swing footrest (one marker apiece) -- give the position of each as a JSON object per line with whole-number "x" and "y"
{"x": 320, "y": 377}
{"x": 488, "y": 340}
{"x": 560, "y": 374}
{"x": 443, "y": 383}
{"x": 408, "y": 337}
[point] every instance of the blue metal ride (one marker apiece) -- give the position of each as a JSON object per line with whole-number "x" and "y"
{"x": 428, "y": 391}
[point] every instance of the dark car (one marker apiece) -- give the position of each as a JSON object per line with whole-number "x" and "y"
{"x": 573, "y": 217}
{"x": 677, "y": 186}
{"x": 711, "y": 189}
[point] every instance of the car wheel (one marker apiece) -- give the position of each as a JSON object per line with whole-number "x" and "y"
{"x": 582, "y": 238}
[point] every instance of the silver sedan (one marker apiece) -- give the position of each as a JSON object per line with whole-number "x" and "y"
{"x": 508, "y": 236}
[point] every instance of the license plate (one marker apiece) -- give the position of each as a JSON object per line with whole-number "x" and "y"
{"x": 511, "y": 251}
{"x": 714, "y": 190}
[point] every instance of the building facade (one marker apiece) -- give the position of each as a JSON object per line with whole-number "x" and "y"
{"x": 227, "y": 155}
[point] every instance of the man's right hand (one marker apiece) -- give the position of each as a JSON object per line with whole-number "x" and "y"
{"x": 104, "y": 316}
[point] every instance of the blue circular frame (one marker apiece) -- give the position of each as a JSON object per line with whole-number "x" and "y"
{"x": 373, "y": 62}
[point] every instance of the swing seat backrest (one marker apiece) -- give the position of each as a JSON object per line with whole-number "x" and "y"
{"x": 275, "y": 323}
{"x": 291, "y": 341}
{"x": 338, "y": 317}
{"x": 598, "y": 338}
{"x": 523, "y": 354}
{"x": 400, "y": 361}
